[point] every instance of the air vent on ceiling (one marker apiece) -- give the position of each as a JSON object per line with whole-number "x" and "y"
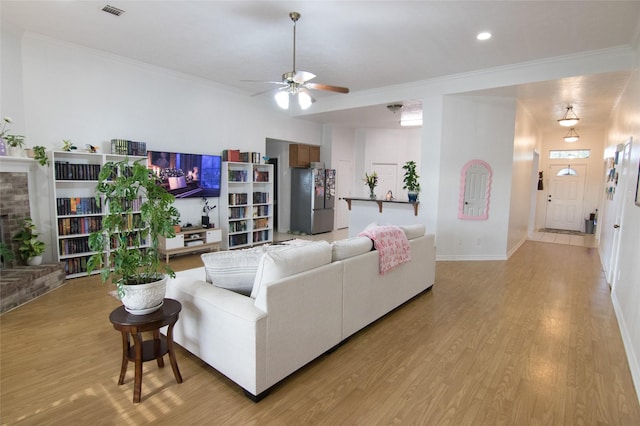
{"x": 112, "y": 10}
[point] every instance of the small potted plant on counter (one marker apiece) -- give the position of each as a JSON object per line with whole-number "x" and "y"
{"x": 410, "y": 180}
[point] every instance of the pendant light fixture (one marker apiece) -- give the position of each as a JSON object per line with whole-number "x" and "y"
{"x": 572, "y": 136}
{"x": 569, "y": 119}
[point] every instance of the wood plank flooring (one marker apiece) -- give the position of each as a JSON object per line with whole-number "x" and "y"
{"x": 532, "y": 340}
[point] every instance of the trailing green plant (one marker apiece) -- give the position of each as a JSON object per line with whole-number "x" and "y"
{"x": 6, "y": 254}
{"x": 29, "y": 244}
{"x": 41, "y": 155}
{"x": 411, "y": 177}
{"x": 139, "y": 211}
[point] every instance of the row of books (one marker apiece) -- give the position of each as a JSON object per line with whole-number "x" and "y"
{"x": 237, "y": 240}
{"x": 234, "y": 155}
{"x": 259, "y": 211}
{"x": 74, "y": 245}
{"x": 127, "y": 147}
{"x": 260, "y": 223}
{"x": 237, "y": 212}
{"x": 75, "y": 265}
{"x": 238, "y": 226}
{"x": 261, "y": 236}
{"x": 73, "y": 171}
{"x": 77, "y": 205}
{"x": 260, "y": 197}
{"x": 79, "y": 225}
{"x": 237, "y": 176}
{"x": 236, "y": 199}
{"x": 260, "y": 176}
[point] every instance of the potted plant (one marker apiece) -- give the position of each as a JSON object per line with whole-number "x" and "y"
{"x": 31, "y": 248}
{"x": 14, "y": 143}
{"x": 139, "y": 210}
{"x": 371, "y": 181}
{"x": 40, "y": 155}
{"x": 410, "y": 180}
{"x": 6, "y": 255}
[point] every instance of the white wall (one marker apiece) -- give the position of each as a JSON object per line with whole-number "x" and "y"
{"x": 482, "y": 128}
{"x": 626, "y": 288}
{"x": 523, "y": 179}
{"x": 87, "y": 96}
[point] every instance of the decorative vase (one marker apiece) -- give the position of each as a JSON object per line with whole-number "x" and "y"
{"x": 34, "y": 261}
{"x": 142, "y": 299}
{"x": 205, "y": 221}
{"x": 372, "y": 195}
{"x": 3, "y": 148}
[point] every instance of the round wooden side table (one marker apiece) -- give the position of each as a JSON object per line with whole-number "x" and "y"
{"x": 132, "y": 326}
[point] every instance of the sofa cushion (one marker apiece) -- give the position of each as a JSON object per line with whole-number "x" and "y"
{"x": 290, "y": 261}
{"x": 234, "y": 270}
{"x": 344, "y": 249}
{"x": 413, "y": 231}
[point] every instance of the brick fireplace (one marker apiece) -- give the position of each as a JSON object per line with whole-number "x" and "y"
{"x": 19, "y": 283}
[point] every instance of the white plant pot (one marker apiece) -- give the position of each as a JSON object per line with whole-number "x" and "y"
{"x": 34, "y": 261}
{"x": 143, "y": 299}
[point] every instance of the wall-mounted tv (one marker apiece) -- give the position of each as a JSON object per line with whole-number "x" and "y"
{"x": 187, "y": 175}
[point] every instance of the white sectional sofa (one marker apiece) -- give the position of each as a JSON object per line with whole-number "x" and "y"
{"x": 305, "y": 301}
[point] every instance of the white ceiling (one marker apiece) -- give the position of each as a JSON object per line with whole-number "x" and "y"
{"x": 362, "y": 45}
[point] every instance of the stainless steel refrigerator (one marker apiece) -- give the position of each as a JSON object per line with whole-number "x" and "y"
{"x": 313, "y": 194}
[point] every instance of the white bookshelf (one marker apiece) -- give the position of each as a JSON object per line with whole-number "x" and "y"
{"x": 75, "y": 212}
{"x": 246, "y": 204}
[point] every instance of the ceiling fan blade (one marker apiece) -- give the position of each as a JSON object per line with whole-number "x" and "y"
{"x": 301, "y": 77}
{"x": 318, "y": 86}
{"x": 263, "y": 81}
{"x": 268, "y": 90}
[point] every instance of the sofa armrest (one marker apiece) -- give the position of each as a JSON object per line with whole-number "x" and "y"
{"x": 223, "y": 328}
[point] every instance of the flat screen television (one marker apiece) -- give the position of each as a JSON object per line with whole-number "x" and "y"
{"x": 187, "y": 175}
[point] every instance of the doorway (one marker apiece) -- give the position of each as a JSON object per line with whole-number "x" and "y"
{"x": 565, "y": 197}
{"x": 274, "y": 162}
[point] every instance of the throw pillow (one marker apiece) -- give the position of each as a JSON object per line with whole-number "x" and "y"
{"x": 234, "y": 270}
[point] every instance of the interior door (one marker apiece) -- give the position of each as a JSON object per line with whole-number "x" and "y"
{"x": 566, "y": 197}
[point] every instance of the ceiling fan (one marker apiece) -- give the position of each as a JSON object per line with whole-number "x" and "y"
{"x": 297, "y": 82}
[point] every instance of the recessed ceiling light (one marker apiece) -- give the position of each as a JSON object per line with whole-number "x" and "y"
{"x": 483, "y": 36}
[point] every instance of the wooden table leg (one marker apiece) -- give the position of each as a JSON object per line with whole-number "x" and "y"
{"x": 125, "y": 357}
{"x": 172, "y": 355}
{"x": 156, "y": 348}
{"x": 137, "y": 387}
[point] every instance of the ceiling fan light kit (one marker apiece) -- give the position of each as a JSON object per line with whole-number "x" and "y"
{"x": 569, "y": 119}
{"x": 296, "y": 83}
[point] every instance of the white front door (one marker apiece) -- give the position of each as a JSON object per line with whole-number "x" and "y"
{"x": 565, "y": 197}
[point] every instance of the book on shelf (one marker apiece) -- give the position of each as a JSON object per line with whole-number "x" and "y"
{"x": 65, "y": 170}
{"x": 127, "y": 147}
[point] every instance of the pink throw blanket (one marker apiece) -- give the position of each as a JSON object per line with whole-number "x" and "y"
{"x": 392, "y": 246}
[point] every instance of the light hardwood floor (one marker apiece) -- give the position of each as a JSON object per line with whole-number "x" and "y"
{"x": 531, "y": 340}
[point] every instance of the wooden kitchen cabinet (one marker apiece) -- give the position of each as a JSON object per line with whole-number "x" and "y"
{"x": 301, "y": 155}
